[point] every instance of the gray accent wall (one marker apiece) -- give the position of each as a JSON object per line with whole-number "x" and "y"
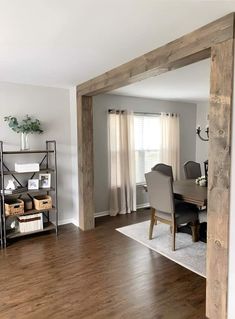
{"x": 102, "y": 103}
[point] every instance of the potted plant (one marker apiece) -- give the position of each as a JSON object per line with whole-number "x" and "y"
{"x": 27, "y": 126}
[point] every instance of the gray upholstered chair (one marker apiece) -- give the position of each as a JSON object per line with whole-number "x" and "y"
{"x": 164, "y": 209}
{"x": 192, "y": 170}
{"x": 164, "y": 169}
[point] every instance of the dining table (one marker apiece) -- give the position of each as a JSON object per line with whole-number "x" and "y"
{"x": 190, "y": 192}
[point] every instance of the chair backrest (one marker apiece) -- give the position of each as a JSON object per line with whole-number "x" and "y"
{"x": 164, "y": 169}
{"x": 160, "y": 192}
{"x": 192, "y": 170}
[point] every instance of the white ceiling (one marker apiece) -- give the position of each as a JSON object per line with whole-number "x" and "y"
{"x": 62, "y": 43}
{"x": 191, "y": 84}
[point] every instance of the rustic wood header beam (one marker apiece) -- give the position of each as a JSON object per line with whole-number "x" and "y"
{"x": 188, "y": 49}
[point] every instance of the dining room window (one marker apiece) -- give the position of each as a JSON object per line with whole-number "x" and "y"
{"x": 147, "y": 136}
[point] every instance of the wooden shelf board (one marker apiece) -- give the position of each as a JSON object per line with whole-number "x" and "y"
{"x": 43, "y": 170}
{"x": 34, "y": 211}
{"x": 47, "y": 227}
{"x": 28, "y": 152}
{"x": 31, "y": 191}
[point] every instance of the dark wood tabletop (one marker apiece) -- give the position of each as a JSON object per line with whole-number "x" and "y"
{"x": 190, "y": 192}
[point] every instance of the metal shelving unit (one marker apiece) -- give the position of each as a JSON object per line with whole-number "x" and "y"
{"x": 48, "y": 164}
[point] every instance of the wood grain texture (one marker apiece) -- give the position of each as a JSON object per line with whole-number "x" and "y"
{"x": 99, "y": 274}
{"x": 188, "y": 49}
{"x": 85, "y": 162}
{"x": 222, "y": 57}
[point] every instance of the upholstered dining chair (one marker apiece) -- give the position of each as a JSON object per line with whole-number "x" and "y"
{"x": 164, "y": 209}
{"x": 192, "y": 170}
{"x": 164, "y": 169}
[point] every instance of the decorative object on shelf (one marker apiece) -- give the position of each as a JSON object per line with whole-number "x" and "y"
{"x": 198, "y": 132}
{"x": 28, "y": 204}
{"x": 24, "y": 141}
{"x": 42, "y": 202}
{"x": 33, "y": 184}
{"x": 27, "y": 126}
{"x": 45, "y": 180}
{"x": 27, "y": 167}
{"x": 14, "y": 206}
{"x": 18, "y": 190}
{"x": 11, "y": 185}
{"x": 12, "y": 222}
{"x": 202, "y": 181}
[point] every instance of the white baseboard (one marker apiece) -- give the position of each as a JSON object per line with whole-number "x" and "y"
{"x": 142, "y": 206}
{"x": 68, "y": 221}
{"x": 106, "y": 213}
{"x": 101, "y": 214}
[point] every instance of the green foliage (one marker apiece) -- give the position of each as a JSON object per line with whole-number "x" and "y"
{"x": 27, "y": 125}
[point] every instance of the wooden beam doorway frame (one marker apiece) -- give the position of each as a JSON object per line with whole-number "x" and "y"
{"x": 214, "y": 41}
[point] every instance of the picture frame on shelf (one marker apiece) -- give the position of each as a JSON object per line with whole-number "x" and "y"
{"x": 33, "y": 184}
{"x": 45, "y": 180}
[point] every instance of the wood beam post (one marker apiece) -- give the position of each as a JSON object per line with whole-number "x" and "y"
{"x": 85, "y": 162}
{"x": 220, "y": 117}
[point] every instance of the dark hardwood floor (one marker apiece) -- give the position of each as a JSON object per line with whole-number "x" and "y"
{"x": 96, "y": 274}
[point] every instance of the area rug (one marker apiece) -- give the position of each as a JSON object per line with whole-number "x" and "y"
{"x": 188, "y": 254}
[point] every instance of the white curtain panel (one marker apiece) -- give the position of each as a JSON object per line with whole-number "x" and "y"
{"x": 122, "y": 184}
{"x": 170, "y": 149}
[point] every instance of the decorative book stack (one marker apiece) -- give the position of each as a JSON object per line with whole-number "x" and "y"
{"x": 25, "y": 168}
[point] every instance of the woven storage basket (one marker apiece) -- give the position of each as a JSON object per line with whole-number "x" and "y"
{"x": 42, "y": 202}
{"x": 14, "y": 206}
{"x": 30, "y": 223}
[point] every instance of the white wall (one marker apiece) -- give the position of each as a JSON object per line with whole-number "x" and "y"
{"x": 102, "y": 103}
{"x": 52, "y": 107}
{"x": 202, "y": 120}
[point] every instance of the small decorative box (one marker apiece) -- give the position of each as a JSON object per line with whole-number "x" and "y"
{"x": 24, "y": 168}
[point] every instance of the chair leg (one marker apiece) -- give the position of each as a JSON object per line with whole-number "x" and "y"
{"x": 173, "y": 234}
{"x": 176, "y": 229}
{"x": 152, "y": 222}
{"x": 195, "y": 231}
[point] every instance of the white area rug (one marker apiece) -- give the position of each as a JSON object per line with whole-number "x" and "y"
{"x": 188, "y": 254}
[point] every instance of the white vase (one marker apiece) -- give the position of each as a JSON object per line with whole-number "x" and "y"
{"x": 24, "y": 141}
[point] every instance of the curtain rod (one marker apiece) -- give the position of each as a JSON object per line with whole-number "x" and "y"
{"x": 141, "y": 113}
{"x": 122, "y": 111}
{"x": 147, "y": 113}
{"x": 116, "y": 111}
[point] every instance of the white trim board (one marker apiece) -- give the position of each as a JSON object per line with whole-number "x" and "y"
{"x": 106, "y": 213}
{"x": 68, "y": 221}
{"x": 142, "y": 206}
{"x": 101, "y": 214}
